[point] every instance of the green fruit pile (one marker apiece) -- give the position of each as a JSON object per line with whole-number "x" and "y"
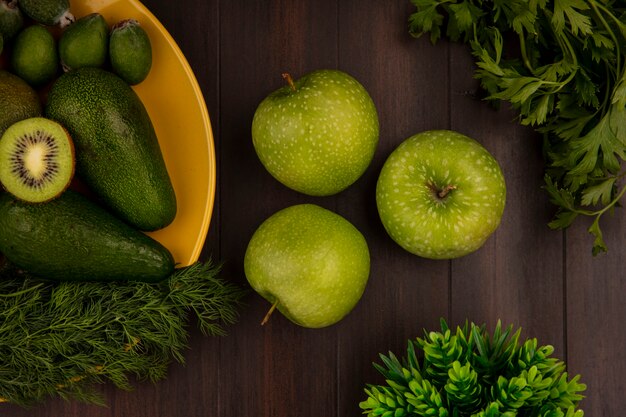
{"x": 439, "y": 195}
{"x": 27, "y": 27}
{"x": 69, "y": 111}
{"x": 316, "y": 135}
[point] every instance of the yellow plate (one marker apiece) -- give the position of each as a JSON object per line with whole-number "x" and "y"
{"x": 176, "y": 106}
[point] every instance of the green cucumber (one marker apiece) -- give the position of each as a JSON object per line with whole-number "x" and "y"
{"x": 117, "y": 150}
{"x": 73, "y": 239}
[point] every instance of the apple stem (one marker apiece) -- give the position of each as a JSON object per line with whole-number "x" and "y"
{"x": 443, "y": 193}
{"x": 289, "y": 80}
{"x": 269, "y": 313}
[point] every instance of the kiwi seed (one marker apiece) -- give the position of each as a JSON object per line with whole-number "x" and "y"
{"x": 36, "y": 159}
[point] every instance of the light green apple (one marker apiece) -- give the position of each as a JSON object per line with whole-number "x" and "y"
{"x": 316, "y": 135}
{"x": 309, "y": 263}
{"x": 440, "y": 194}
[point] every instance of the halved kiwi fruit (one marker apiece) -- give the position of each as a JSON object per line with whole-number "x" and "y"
{"x": 36, "y": 159}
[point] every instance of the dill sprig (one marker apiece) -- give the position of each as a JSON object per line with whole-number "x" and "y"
{"x": 63, "y": 338}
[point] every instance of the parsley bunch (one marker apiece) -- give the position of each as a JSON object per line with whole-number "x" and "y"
{"x": 565, "y": 75}
{"x": 471, "y": 373}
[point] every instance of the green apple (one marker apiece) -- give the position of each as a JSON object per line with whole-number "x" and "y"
{"x": 316, "y": 135}
{"x": 440, "y": 194}
{"x": 310, "y": 263}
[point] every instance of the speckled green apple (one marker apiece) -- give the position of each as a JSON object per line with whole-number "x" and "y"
{"x": 440, "y": 194}
{"x": 310, "y": 263}
{"x": 318, "y": 134}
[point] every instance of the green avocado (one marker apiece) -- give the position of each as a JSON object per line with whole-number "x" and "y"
{"x": 117, "y": 151}
{"x": 72, "y": 238}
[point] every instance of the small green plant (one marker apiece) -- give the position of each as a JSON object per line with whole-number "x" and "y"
{"x": 472, "y": 373}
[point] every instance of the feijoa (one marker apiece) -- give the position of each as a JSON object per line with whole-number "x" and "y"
{"x": 36, "y": 159}
{"x": 48, "y": 12}
{"x": 84, "y": 43}
{"x": 11, "y": 19}
{"x": 18, "y": 100}
{"x": 34, "y": 57}
{"x": 130, "y": 51}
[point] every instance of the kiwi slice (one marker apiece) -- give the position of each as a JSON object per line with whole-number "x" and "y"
{"x": 36, "y": 159}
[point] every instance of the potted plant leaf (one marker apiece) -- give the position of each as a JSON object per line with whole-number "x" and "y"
{"x": 468, "y": 372}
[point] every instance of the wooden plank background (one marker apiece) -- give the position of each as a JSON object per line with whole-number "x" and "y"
{"x": 544, "y": 281}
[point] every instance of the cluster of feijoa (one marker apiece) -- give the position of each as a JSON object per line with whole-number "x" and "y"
{"x": 27, "y": 27}
{"x": 42, "y": 39}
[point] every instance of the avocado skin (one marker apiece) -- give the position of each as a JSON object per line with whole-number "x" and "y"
{"x": 117, "y": 150}
{"x": 73, "y": 239}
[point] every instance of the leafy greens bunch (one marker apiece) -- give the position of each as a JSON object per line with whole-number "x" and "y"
{"x": 566, "y": 78}
{"x": 470, "y": 373}
{"x": 61, "y": 338}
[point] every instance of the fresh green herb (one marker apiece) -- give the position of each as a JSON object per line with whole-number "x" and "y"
{"x": 565, "y": 75}
{"x": 471, "y": 373}
{"x": 61, "y": 338}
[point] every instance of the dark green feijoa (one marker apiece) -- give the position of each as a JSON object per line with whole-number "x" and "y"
{"x": 48, "y": 12}
{"x": 71, "y": 238}
{"x": 84, "y": 43}
{"x": 117, "y": 151}
{"x": 34, "y": 57}
{"x": 130, "y": 51}
{"x": 18, "y": 100}
{"x": 11, "y": 19}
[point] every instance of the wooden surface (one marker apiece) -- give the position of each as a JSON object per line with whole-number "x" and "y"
{"x": 544, "y": 281}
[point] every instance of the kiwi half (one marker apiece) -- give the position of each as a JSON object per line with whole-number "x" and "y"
{"x": 36, "y": 159}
